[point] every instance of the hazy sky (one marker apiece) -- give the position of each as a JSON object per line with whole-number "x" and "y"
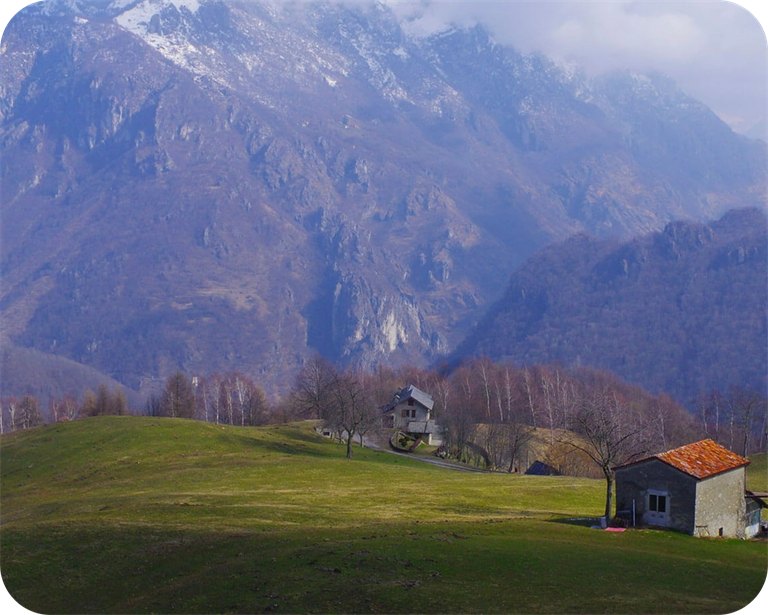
{"x": 715, "y": 50}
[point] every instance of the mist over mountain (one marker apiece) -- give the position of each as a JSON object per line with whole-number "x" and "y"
{"x": 680, "y": 311}
{"x": 214, "y": 185}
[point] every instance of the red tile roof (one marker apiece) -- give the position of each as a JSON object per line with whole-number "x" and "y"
{"x": 702, "y": 459}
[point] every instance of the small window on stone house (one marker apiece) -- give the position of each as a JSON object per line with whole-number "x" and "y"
{"x": 404, "y": 413}
{"x": 657, "y": 503}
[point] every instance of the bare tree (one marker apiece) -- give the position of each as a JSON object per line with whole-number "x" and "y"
{"x": 12, "y": 405}
{"x": 118, "y": 402}
{"x": 242, "y": 392}
{"x": 459, "y": 428}
{"x": 152, "y": 406}
{"x": 255, "y": 406}
{"x": 312, "y": 391}
{"x": 212, "y": 398}
{"x": 606, "y": 436}
{"x": 519, "y": 433}
{"x": 528, "y": 386}
{"x": 352, "y": 406}
{"x": 63, "y": 409}
{"x": 491, "y": 437}
{"x": 762, "y": 418}
{"x": 228, "y": 401}
{"x": 746, "y": 409}
{"x": 89, "y": 405}
{"x": 103, "y": 400}
{"x": 178, "y": 400}
{"x": 484, "y": 369}
{"x": 29, "y": 412}
{"x": 547, "y": 385}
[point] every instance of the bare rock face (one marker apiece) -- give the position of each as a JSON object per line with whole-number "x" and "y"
{"x": 212, "y": 185}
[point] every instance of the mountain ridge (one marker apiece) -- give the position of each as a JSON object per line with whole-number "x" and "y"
{"x": 245, "y": 184}
{"x": 681, "y": 311}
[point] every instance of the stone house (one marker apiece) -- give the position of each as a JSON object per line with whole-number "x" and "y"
{"x": 699, "y": 489}
{"x": 410, "y": 411}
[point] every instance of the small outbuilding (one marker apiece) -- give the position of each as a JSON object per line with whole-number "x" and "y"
{"x": 539, "y": 468}
{"x": 699, "y": 489}
{"x": 755, "y": 504}
{"x": 411, "y": 411}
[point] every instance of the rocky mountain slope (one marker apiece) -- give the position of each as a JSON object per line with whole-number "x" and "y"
{"x": 682, "y": 310}
{"x": 215, "y": 185}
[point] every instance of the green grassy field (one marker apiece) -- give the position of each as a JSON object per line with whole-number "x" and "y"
{"x": 757, "y": 473}
{"x": 140, "y": 515}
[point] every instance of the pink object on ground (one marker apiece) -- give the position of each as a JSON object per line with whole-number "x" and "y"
{"x": 615, "y": 529}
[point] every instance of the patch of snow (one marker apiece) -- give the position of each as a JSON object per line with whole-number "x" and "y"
{"x": 401, "y": 53}
{"x": 251, "y": 61}
{"x": 136, "y": 18}
{"x": 174, "y": 46}
{"x": 120, "y": 4}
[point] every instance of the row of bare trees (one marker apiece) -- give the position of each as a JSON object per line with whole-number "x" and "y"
{"x": 499, "y": 407}
{"x": 230, "y": 398}
{"x": 488, "y": 411}
{"x": 22, "y": 413}
{"x": 19, "y": 413}
{"x": 736, "y": 418}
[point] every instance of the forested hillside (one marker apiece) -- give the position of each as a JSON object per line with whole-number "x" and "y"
{"x": 681, "y": 311}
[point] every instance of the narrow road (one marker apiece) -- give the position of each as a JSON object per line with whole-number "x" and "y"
{"x": 435, "y": 462}
{"x": 439, "y": 462}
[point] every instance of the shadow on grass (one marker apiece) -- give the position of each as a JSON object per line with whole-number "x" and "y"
{"x": 294, "y": 444}
{"x": 580, "y": 521}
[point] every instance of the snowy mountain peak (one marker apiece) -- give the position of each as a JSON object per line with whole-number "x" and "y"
{"x": 137, "y": 16}
{"x": 87, "y": 8}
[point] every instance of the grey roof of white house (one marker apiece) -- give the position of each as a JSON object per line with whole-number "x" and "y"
{"x": 425, "y": 399}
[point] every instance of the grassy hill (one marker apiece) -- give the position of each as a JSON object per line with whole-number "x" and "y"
{"x": 757, "y": 473}
{"x": 136, "y": 515}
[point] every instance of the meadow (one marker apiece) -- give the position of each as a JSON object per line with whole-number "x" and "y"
{"x": 147, "y": 515}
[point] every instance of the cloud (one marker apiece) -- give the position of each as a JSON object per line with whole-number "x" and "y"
{"x": 716, "y": 51}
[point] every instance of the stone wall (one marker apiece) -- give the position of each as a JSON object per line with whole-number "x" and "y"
{"x": 634, "y": 482}
{"x": 720, "y": 504}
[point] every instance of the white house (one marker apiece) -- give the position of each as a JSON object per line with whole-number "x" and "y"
{"x": 411, "y": 411}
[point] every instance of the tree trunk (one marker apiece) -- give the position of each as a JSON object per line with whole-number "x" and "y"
{"x": 350, "y": 436}
{"x": 608, "y": 494}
